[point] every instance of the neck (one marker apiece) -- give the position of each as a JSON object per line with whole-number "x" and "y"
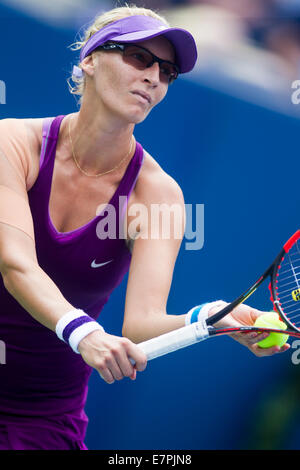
{"x": 99, "y": 144}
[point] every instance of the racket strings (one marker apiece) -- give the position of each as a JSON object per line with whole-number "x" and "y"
{"x": 287, "y": 285}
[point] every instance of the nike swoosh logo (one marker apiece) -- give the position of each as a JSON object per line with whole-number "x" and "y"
{"x": 95, "y": 265}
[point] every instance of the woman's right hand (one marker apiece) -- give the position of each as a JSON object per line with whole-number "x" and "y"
{"x": 110, "y": 354}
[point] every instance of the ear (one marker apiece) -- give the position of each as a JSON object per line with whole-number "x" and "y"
{"x": 88, "y": 64}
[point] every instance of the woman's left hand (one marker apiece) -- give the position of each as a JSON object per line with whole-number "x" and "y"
{"x": 243, "y": 315}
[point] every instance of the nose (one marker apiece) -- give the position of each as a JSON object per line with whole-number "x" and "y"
{"x": 151, "y": 74}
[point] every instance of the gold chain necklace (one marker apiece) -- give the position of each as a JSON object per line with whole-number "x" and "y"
{"x": 105, "y": 172}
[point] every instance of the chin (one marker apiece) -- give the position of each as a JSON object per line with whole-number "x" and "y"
{"x": 137, "y": 117}
{"x": 138, "y": 121}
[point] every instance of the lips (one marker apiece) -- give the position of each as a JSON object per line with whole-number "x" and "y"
{"x": 143, "y": 95}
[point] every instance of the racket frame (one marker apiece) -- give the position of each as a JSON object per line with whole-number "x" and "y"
{"x": 270, "y": 272}
{"x": 204, "y": 329}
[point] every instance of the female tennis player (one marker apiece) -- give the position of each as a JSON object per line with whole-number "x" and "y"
{"x": 59, "y": 179}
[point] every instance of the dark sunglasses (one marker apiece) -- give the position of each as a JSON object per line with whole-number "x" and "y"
{"x": 142, "y": 58}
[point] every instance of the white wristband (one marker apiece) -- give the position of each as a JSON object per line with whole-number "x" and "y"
{"x": 66, "y": 319}
{"x": 74, "y": 326}
{"x": 200, "y": 312}
{"x": 81, "y": 332}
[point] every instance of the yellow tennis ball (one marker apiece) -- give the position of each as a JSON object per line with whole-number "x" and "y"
{"x": 271, "y": 320}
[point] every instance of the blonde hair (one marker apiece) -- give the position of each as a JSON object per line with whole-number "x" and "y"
{"x": 98, "y": 23}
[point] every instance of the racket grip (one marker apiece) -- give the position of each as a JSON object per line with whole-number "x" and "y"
{"x": 174, "y": 340}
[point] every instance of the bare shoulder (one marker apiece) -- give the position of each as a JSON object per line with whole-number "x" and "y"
{"x": 34, "y": 128}
{"x": 155, "y": 185}
{"x": 30, "y": 131}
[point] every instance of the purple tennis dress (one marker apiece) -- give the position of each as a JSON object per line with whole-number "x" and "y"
{"x": 43, "y": 384}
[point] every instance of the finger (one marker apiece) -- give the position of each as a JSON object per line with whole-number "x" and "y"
{"x": 109, "y": 369}
{"x": 138, "y": 357}
{"x": 249, "y": 339}
{"x": 124, "y": 364}
{"x": 260, "y": 352}
{"x": 114, "y": 368}
{"x": 257, "y": 337}
{"x": 121, "y": 354}
{"x": 254, "y": 313}
{"x": 106, "y": 376}
{"x": 278, "y": 349}
{"x": 133, "y": 375}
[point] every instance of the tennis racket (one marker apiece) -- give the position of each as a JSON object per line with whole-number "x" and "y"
{"x": 284, "y": 275}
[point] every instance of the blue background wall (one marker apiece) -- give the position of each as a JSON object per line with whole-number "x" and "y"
{"x": 241, "y": 161}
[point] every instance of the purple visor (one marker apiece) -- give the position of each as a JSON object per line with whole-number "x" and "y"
{"x": 139, "y": 28}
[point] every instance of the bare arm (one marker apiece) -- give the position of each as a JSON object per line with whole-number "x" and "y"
{"x": 41, "y": 298}
{"x": 22, "y": 276}
{"x": 150, "y": 279}
{"x": 30, "y": 285}
{"x": 27, "y": 282}
{"x": 152, "y": 265}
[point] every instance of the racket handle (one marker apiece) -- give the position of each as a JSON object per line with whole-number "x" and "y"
{"x": 174, "y": 340}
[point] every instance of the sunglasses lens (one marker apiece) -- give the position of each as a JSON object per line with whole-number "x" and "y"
{"x": 137, "y": 57}
{"x": 169, "y": 71}
{"x": 141, "y": 59}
